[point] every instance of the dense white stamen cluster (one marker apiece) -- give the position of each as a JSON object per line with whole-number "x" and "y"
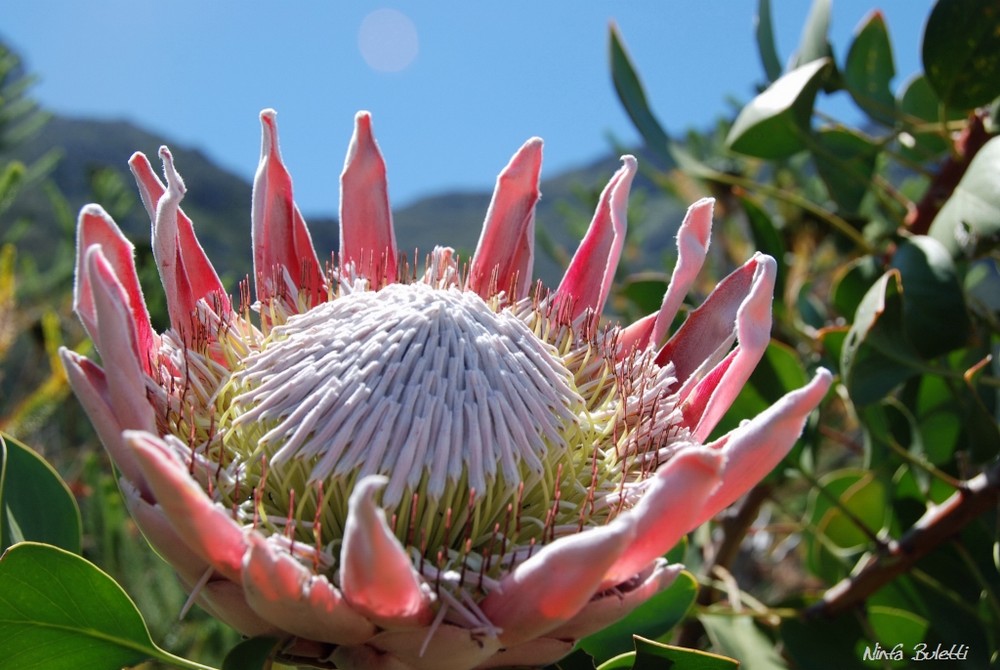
{"x": 419, "y": 384}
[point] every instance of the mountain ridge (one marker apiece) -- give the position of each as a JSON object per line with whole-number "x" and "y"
{"x": 219, "y": 201}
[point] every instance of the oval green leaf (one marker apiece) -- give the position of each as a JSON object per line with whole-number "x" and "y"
{"x": 851, "y": 282}
{"x": 961, "y": 52}
{"x": 775, "y": 124}
{"x": 934, "y": 314}
{"x": 920, "y": 106}
{"x": 893, "y": 626}
{"x": 876, "y": 356}
{"x": 60, "y": 612}
{"x": 969, "y": 222}
{"x": 864, "y": 502}
{"x": 764, "y": 31}
{"x": 35, "y": 503}
{"x": 633, "y": 99}
{"x": 845, "y": 161}
{"x": 815, "y": 41}
{"x": 740, "y": 637}
{"x": 869, "y": 70}
{"x": 650, "y": 655}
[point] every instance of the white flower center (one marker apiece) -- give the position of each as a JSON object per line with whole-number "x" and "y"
{"x": 425, "y": 386}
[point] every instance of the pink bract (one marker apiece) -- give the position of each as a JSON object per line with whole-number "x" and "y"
{"x": 446, "y": 469}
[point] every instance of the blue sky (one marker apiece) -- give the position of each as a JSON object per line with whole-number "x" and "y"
{"x": 483, "y": 77}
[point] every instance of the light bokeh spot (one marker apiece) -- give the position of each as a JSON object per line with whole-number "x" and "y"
{"x": 388, "y": 40}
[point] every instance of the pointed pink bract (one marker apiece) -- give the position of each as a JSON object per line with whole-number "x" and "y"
{"x": 552, "y": 586}
{"x": 207, "y": 529}
{"x": 96, "y": 228}
{"x": 280, "y": 238}
{"x": 587, "y": 281}
{"x": 376, "y": 572}
{"x": 200, "y": 274}
{"x": 756, "y": 447}
{"x": 693, "y": 239}
{"x": 281, "y": 590}
{"x": 503, "y": 257}
{"x": 185, "y": 271}
{"x": 367, "y": 238}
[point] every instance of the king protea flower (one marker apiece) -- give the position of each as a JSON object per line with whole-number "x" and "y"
{"x": 448, "y": 468}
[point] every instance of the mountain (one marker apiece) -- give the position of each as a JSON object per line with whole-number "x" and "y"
{"x": 219, "y": 202}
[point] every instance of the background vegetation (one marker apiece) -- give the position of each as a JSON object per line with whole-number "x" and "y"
{"x": 880, "y": 529}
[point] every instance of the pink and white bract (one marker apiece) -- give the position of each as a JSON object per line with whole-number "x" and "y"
{"x": 453, "y": 468}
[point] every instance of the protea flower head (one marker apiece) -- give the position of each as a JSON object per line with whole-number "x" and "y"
{"x": 445, "y": 468}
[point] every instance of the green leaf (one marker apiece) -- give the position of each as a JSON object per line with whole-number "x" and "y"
{"x": 869, "y": 70}
{"x": 764, "y": 31}
{"x": 60, "y": 612}
{"x": 864, "y": 501}
{"x": 653, "y": 619}
{"x": 824, "y": 644}
{"x": 970, "y": 219}
{"x": 738, "y": 636}
{"x": 851, "y": 282}
{"x": 814, "y": 42}
{"x": 893, "y": 626}
{"x": 633, "y": 99}
{"x": 645, "y": 290}
{"x": 11, "y": 180}
{"x": 578, "y": 660}
{"x": 918, "y": 103}
{"x": 766, "y": 238}
{"x": 650, "y": 655}
{"x": 961, "y": 52}
{"x": 252, "y": 654}
{"x": 934, "y": 314}
{"x": 35, "y": 503}
{"x": 836, "y": 538}
{"x": 876, "y": 356}
{"x": 845, "y": 161}
{"x": 776, "y": 122}
{"x": 623, "y": 662}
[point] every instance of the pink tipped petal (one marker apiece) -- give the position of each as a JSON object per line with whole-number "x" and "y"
{"x": 150, "y": 187}
{"x": 756, "y": 447}
{"x": 367, "y": 238}
{"x": 376, "y": 572}
{"x": 222, "y": 598}
{"x": 205, "y": 527}
{"x": 668, "y": 509}
{"x": 96, "y": 228}
{"x": 280, "y": 236}
{"x": 717, "y": 391}
{"x": 185, "y": 271}
{"x": 116, "y": 340}
{"x": 551, "y": 587}
{"x": 204, "y": 279}
{"x": 281, "y": 590}
{"x": 91, "y": 388}
{"x": 161, "y": 535}
{"x": 708, "y": 332}
{"x": 446, "y": 647}
{"x": 693, "y": 239}
{"x": 587, "y": 281}
{"x": 618, "y": 603}
{"x": 503, "y": 257}
{"x": 225, "y": 601}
